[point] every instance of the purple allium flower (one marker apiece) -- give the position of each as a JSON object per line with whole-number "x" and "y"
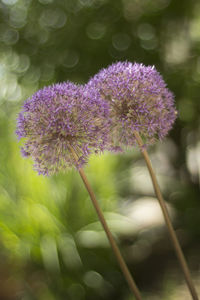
{"x": 58, "y": 117}
{"x": 138, "y": 99}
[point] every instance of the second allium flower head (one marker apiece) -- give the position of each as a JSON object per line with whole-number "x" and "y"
{"x": 100, "y": 115}
{"x": 138, "y": 100}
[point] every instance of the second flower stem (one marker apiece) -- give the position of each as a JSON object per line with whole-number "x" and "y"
{"x": 170, "y": 228}
{"x": 113, "y": 244}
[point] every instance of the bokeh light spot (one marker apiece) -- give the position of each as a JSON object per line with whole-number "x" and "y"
{"x": 121, "y": 41}
{"x": 11, "y": 60}
{"x": 146, "y": 212}
{"x": 18, "y": 16}
{"x": 146, "y": 31}
{"x": 71, "y": 59}
{"x": 73, "y": 6}
{"x": 24, "y": 63}
{"x": 95, "y": 31}
{"x": 93, "y": 279}
{"x": 149, "y": 44}
{"x": 13, "y": 94}
{"x": 177, "y": 48}
{"x": 53, "y": 18}
{"x": 132, "y": 9}
{"x": 32, "y": 75}
{"x": 10, "y": 36}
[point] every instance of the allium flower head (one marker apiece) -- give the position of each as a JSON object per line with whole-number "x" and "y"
{"x": 139, "y": 101}
{"x": 56, "y": 118}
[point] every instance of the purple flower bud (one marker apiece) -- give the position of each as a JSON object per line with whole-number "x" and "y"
{"x": 138, "y": 100}
{"x": 58, "y": 117}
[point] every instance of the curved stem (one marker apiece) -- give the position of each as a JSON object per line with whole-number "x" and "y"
{"x": 113, "y": 244}
{"x": 171, "y": 231}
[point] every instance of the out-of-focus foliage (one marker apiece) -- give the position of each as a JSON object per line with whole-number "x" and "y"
{"x": 52, "y": 246}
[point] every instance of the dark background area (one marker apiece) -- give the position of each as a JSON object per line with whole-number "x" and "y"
{"x": 52, "y": 246}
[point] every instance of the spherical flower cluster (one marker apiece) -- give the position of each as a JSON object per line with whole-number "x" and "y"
{"x": 138, "y": 100}
{"x": 59, "y": 118}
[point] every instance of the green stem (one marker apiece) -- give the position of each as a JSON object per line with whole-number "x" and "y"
{"x": 171, "y": 231}
{"x": 113, "y": 244}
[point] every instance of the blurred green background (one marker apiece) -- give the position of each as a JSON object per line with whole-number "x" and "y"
{"x": 52, "y": 246}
